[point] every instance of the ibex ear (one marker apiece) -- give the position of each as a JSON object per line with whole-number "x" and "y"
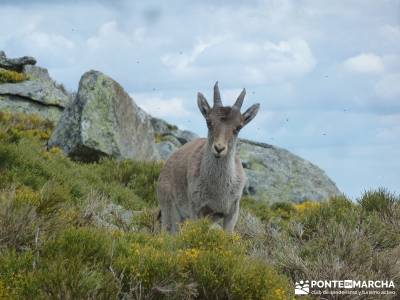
{"x": 203, "y": 105}
{"x": 250, "y": 113}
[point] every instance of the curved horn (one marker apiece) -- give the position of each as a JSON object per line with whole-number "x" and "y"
{"x": 239, "y": 100}
{"x": 217, "y": 96}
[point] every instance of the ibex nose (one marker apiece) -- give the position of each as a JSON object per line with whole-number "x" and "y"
{"x": 218, "y": 148}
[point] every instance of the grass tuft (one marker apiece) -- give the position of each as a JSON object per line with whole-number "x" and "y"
{"x": 8, "y": 76}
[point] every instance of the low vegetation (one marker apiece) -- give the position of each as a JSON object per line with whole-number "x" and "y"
{"x": 11, "y": 76}
{"x": 70, "y": 230}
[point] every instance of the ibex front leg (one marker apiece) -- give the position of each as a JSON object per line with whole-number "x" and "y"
{"x": 231, "y": 219}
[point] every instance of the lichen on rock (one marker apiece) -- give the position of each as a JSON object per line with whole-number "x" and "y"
{"x": 104, "y": 121}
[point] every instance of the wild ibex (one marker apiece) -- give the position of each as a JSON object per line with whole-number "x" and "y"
{"x": 205, "y": 177}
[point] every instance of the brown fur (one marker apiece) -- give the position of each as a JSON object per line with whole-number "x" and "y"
{"x": 205, "y": 178}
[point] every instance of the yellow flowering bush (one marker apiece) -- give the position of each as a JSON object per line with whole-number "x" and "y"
{"x": 306, "y": 205}
{"x": 202, "y": 256}
{"x": 25, "y": 194}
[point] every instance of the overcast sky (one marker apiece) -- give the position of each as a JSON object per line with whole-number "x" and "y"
{"x": 327, "y": 73}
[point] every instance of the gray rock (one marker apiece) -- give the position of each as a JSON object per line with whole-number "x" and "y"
{"x": 39, "y": 94}
{"x": 11, "y": 103}
{"x": 185, "y": 136}
{"x": 170, "y": 137}
{"x": 274, "y": 174}
{"x": 165, "y": 149}
{"x": 254, "y": 143}
{"x": 37, "y": 73}
{"x": 41, "y": 91}
{"x": 163, "y": 128}
{"x": 104, "y": 120}
{"x": 101, "y": 212}
{"x": 15, "y": 64}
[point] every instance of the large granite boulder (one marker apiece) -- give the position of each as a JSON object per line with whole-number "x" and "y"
{"x": 104, "y": 121}
{"x": 37, "y": 94}
{"x": 275, "y": 174}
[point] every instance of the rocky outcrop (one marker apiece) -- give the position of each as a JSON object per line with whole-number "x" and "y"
{"x": 15, "y": 64}
{"x": 38, "y": 93}
{"x": 273, "y": 174}
{"x": 169, "y": 137}
{"x": 104, "y": 121}
{"x": 39, "y": 88}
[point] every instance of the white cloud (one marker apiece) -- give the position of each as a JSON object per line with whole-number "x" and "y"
{"x": 158, "y": 106}
{"x": 185, "y": 63}
{"x": 281, "y": 61}
{"x": 109, "y": 34}
{"x": 387, "y": 67}
{"x": 389, "y": 87}
{"x": 365, "y": 63}
{"x": 43, "y": 40}
{"x": 237, "y": 60}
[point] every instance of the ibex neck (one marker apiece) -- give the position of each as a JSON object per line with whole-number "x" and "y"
{"x": 218, "y": 168}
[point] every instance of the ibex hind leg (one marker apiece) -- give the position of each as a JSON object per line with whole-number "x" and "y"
{"x": 170, "y": 218}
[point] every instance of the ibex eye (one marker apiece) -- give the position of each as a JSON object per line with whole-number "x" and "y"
{"x": 208, "y": 123}
{"x": 237, "y": 129}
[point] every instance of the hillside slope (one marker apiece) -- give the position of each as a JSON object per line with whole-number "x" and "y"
{"x": 89, "y": 231}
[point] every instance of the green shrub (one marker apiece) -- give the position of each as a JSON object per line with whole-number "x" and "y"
{"x": 283, "y": 209}
{"x": 18, "y": 222}
{"x": 14, "y": 270}
{"x": 87, "y": 244}
{"x": 69, "y": 279}
{"x": 138, "y": 176}
{"x": 381, "y": 201}
{"x": 27, "y": 217}
{"x": 338, "y": 209}
{"x": 14, "y": 126}
{"x": 279, "y": 212}
{"x": 258, "y": 208}
{"x": 147, "y": 220}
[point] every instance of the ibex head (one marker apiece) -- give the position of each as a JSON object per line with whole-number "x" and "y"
{"x": 224, "y": 122}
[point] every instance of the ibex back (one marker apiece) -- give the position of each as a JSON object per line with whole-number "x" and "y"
{"x": 205, "y": 177}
